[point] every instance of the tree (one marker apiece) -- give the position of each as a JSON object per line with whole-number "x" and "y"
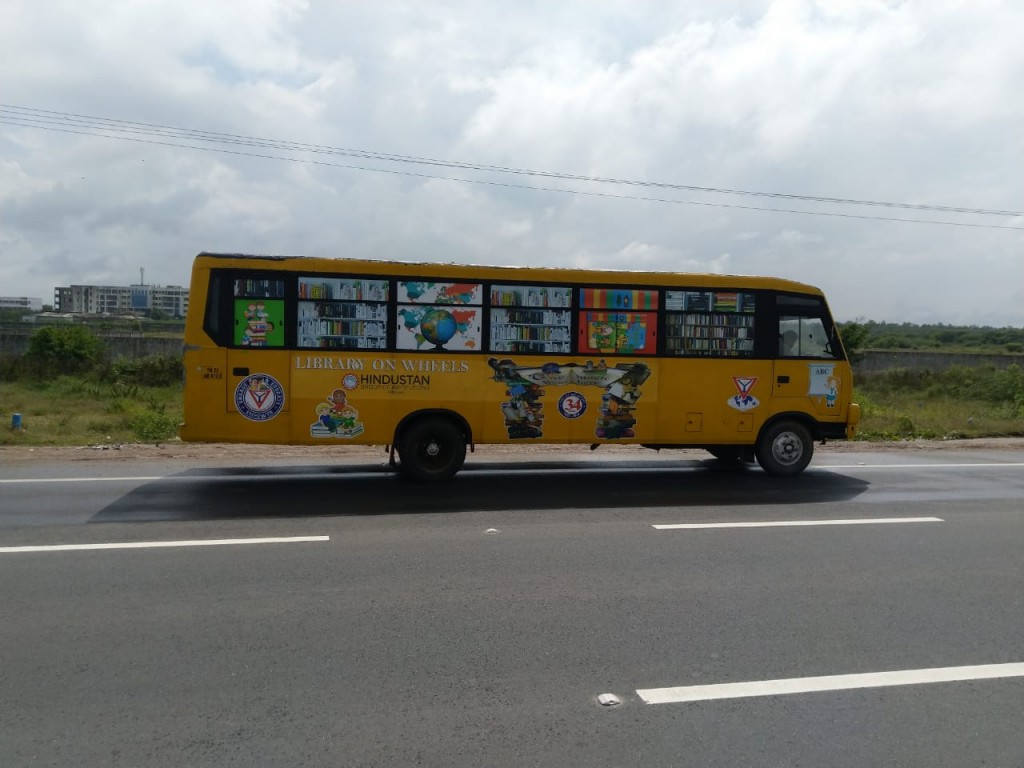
{"x": 855, "y": 337}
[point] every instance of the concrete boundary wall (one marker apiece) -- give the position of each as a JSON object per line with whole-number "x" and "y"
{"x": 116, "y": 345}
{"x": 887, "y": 360}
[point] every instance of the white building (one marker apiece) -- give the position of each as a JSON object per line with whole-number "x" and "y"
{"x": 121, "y": 299}
{"x": 24, "y": 303}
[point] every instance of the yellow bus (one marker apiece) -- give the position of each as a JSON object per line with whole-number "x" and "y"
{"x": 431, "y": 359}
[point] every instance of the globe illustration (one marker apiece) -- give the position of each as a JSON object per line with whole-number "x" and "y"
{"x": 438, "y": 326}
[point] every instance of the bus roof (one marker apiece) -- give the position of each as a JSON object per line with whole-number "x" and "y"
{"x": 503, "y": 273}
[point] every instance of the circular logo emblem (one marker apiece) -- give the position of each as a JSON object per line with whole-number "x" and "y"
{"x": 351, "y": 381}
{"x": 572, "y": 405}
{"x": 259, "y": 397}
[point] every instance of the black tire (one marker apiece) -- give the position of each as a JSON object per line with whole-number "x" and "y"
{"x": 431, "y": 450}
{"x": 784, "y": 448}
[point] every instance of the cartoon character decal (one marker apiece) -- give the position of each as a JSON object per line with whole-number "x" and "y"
{"x": 824, "y": 383}
{"x": 336, "y": 417}
{"x": 832, "y": 385}
{"x": 524, "y": 409}
{"x": 258, "y": 323}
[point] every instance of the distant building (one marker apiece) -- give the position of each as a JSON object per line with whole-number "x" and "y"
{"x": 172, "y": 300}
{"x": 48, "y": 318}
{"x": 25, "y": 303}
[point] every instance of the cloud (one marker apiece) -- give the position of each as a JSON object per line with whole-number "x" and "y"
{"x": 908, "y": 102}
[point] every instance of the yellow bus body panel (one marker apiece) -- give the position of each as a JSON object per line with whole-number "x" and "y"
{"x": 338, "y": 397}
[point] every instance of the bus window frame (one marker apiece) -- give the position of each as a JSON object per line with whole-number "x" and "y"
{"x": 770, "y": 306}
{"x": 761, "y": 314}
{"x": 488, "y": 307}
{"x": 292, "y": 291}
{"x": 798, "y": 306}
{"x": 394, "y": 304}
{"x": 225, "y": 336}
{"x": 213, "y": 314}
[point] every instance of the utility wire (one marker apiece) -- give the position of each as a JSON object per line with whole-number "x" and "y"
{"x": 116, "y": 129}
{"x": 111, "y": 124}
{"x": 521, "y": 186}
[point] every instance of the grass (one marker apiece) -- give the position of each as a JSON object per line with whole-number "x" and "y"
{"x": 960, "y": 402}
{"x": 908, "y": 416}
{"x": 74, "y": 411}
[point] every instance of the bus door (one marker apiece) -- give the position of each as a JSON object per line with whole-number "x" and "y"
{"x": 811, "y": 374}
{"x": 257, "y": 369}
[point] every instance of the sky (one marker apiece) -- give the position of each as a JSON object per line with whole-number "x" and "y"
{"x": 134, "y": 135}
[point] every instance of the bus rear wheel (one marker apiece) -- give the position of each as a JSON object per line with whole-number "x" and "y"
{"x": 431, "y": 450}
{"x": 784, "y": 448}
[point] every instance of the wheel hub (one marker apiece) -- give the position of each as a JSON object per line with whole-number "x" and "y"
{"x": 786, "y": 448}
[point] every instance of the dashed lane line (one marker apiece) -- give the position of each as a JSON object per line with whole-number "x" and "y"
{"x": 160, "y": 544}
{"x": 969, "y": 465}
{"x": 798, "y": 523}
{"x": 136, "y": 478}
{"x": 691, "y": 693}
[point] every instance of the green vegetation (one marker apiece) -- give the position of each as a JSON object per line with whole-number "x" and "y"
{"x": 868, "y": 334}
{"x": 960, "y": 402}
{"x": 8, "y": 315}
{"x": 68, "y": 394}
{"x": 72, "y": 410}
{"x": 62, "y": 349}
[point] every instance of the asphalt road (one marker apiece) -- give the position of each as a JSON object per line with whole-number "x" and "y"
{"x": 300, "y": 615}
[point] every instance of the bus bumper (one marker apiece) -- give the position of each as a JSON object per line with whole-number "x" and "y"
{"x": 852, "y": 421}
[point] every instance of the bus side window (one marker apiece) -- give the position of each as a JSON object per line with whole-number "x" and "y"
{"x": 258, "y": 309}
{"x": 212, "y": 319}
{"x": 804, "y": 337}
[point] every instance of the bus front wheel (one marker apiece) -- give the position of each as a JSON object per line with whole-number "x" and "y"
{"x": 785, "y": 448}
{"x": 431, "y": 450}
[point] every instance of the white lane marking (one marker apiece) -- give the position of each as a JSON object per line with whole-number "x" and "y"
{"x": 190, "y": 478}
{"x": 918, "y": 466}
{"x": 690, "y": 693}
{"x": 786, "y": 523}
{"x": 158, "y": 544}
{"x": 83, "y": 479}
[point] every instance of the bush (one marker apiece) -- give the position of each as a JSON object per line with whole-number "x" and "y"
{"x": 153, "y": 426}
{"x": 150, "y": 371}
{"x": 62, "y": 349}
{"x": 1007, "y": 385}
{"x": 958, "y": 382}
{"x": 898, "y": 380}
{"x": 905, "y": 427}
{"x": 9, "y": 367}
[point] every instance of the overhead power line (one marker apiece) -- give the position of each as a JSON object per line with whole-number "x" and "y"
{"x": 172, "y": 136}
